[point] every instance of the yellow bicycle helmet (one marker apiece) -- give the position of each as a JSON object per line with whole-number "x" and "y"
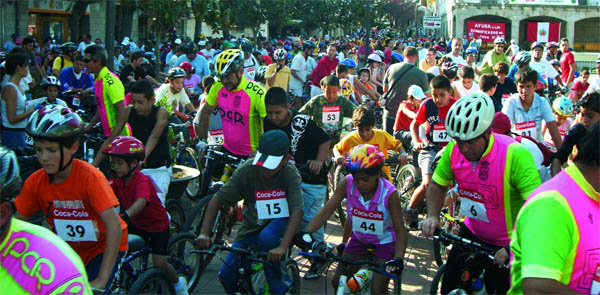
{"x": 364, "y": 157}
{"x": 229, "y": 61}
{"x": 346, "y": 88}
{"x": 563, "y": 106}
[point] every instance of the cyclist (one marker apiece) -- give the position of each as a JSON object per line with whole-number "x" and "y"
{"x": 140, "y": 206}
{"x": 555, "y": 242}
{"x": 241, "y": 104}
{"x": 250, "y": 62}
{"x": 562, "y": 109}
{"x": 543, "y": 66}
{"x": 368, "y": 194}
{"x": 69, "y": 51}
{"x": 76, "y": 81}
{"x": 278, "y": 74}
{"x": 407, "y": 111}
{"x": 494, "y": 56}
{"x": 75, "y": 197}
{"x": 521, "y": 62}
{"x": 494, "y": 176}
{"x": 299, "y": 76}
{"x": 527, "y": 109}
{"x": 51, "y": 86}
{"x": 590, "y": 114}
{"x": 363, "y": 120}
{"x": 171, "y": 95}
{"x": 110, "y": 96}
{"x": 270, "y": 188}
{"x": 66, "y": 272}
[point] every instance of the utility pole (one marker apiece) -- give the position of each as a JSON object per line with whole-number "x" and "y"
{"x": 109, "y": 43}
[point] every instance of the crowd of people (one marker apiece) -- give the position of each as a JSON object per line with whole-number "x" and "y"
{"x": 518, "y": 137}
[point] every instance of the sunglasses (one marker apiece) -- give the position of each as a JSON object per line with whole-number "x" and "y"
{"x": 473, "y": 55}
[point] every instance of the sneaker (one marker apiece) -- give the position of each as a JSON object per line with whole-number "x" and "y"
{"x": 411, "y": 218}
{"x": 315, "y": 271}
{"x": 181, "y": 287}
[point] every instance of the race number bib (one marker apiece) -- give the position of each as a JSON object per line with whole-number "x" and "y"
{"x": 76, "y": 101}
{"x": 271, "y": 204}
{"x": 216, "y": 136}
{"x": 526, "y": 128}
{"x": 439, "y": 133}
{"x": 331, "y": 114}
{"x": 75, "y": 230}
{"x": 472, "y": 204}
{"x": 367, "y": 222}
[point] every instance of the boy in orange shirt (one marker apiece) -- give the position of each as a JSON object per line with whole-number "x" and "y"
{"x": 75, "y": 197}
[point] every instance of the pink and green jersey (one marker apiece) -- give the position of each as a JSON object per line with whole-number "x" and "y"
{"x": 493, "y": 189}
{"x": 33, "y": 260}
{"x": 557, "y": 235}
{"x": 109, "y": 90}
{"x": 242, "y": 111}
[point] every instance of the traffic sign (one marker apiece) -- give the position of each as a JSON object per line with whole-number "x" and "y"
{"x": 432, "y": 22}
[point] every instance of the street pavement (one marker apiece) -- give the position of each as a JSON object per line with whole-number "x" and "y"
{"x": 416, "y": 278}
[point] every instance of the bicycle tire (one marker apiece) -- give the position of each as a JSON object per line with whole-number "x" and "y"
{"x": 339, "y": 174}
{"x": 152, "y": 281}
{"x": 436, "y": 283}
{"x": 179, "y": 256}
{"x": 177, "y": 214}
{"x": 189, "y": 158}
{"x": 294, "y": 274}
{"x": 406, "y": 178}
{"x": 196, "y": 211}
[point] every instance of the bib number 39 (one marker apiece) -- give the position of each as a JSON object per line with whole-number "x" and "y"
{"x": 75, "y": 230}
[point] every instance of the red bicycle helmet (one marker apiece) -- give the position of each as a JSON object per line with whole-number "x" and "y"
{"x": 126, "y": 147}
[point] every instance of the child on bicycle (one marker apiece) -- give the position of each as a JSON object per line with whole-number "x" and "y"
{"x": 140, "y": 206}
{"x": 383, "y": 228}
{"x": 363, "y": 120}
{"x": 562, "y": 109}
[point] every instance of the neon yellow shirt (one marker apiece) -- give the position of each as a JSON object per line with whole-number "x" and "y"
{"x": 544, "y": 243}
{"x": 109, "y": 90}
{"x": 33, "y": 260}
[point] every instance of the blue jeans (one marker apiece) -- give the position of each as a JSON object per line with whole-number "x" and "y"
{"x": 268, "y": 238}
{"x": 313, "y": 202}
{"x": 13, "y": 139}
{"x": 93, "y": 267}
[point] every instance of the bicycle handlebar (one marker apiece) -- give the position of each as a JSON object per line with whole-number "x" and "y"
{"x": 327, "y": 249}
{"x": 237, "y": 162}
{"x": 256, "y": 256}
{"x": 453, "y": 239}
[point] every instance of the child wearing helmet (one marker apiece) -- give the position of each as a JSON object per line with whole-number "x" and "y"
{"x": 52, "y": 87}
{"x": 171, "y": 95}
{"x": 278, "y": 74}
{"x": 73, "y": 194}
{"x": 347, "y": 91}
{"x": 366, "y": 184}
{"x": 580, "y": 86}
{"x": 140, "y": 205}
{"x": 562, "y": 109}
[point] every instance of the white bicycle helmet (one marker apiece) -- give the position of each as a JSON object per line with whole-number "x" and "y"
{"x": 470, "y": 116}
{"x": 51, "y": 81}
{"x": 10, "y": 179}
{"x": 279, "y": 54}
{"x": 374, "y": 57}
{"x": 54, "y": 122}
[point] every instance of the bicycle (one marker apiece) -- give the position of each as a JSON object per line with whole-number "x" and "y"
{"x": 449, "y": 222}
{"x": 136, "y": 277}
{"x": 476, "y": 261}
{"x": 328, "y": 256}
{"x": 251, "y": 279}
{"x": 183, "y": 139}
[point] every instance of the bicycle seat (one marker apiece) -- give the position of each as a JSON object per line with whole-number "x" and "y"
{"x": 135, "y": 242}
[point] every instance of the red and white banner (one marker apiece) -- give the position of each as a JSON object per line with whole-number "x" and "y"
{"x": 487, "y": 31}
{"x": 543, "y": 32}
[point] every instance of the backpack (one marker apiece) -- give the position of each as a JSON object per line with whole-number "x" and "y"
{"x": 545, "y": 151}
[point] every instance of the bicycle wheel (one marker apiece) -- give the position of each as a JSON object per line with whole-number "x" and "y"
{"x": 192, "y": 218}
{"x": 406, "y": 180}
{"x": 152, "y": 281}
{"x": 339, "y": 174}
{"x": 293, "y": 273}
{"x": 179, "y": 256}
{"x": 436, "y": 283}
{"x": 187, "y": 157}
{"x": 177, "y": 215}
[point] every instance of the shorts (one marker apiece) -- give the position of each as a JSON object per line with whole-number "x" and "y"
{"x": 426, "y": 157}
{"x": 382, "y": 251}
{"x": 158, "y": 241}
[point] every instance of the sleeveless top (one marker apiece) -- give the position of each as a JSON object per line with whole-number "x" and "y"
{"x": 371, "y": 220}
{"x": 142, "y": 128}
{"x": 21, "y": 103}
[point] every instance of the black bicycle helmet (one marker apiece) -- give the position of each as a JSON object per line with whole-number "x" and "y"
{"x": 309, "y": 45}
{"x": 246, "y": 46}
{"x": 522, "y": 58}
{"x": 68, "y": 47}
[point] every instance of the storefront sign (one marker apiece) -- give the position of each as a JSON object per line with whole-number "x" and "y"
{"x": 432, "y": 22}
{"x": 486, "y": 31}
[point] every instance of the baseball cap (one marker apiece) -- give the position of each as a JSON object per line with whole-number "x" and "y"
{"x": 178, "y": 41}
{"x": 272, "y": 147}
{"x": 501, "y": 123}
{"x": 186, "y": 66}
{"x": 416, "y": 92}
{"x": 202, "y": 43}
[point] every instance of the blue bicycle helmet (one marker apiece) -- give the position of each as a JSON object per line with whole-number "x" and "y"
{"x": 349, "y": 63}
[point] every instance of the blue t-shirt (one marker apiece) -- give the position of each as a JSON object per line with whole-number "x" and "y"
{"x": 199, "y": 63}
{"x": 513, "y": 71}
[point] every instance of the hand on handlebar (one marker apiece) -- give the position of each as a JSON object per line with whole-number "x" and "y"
{"x": 429, "y": 225}
{"x": 394, "y": 265}
{"x": 418, "y": 145}
{"x": 501, "y": 257}
{"x": 201, "y": 146}
{"x": 277, "y": 254}
{"x": 203, "y": 241}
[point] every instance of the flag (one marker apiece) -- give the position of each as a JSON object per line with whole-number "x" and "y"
{"x": 543, "y": 32}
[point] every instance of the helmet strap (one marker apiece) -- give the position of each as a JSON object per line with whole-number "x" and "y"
{"x": 61, "y": 167}
{"x": 131, "y": 170}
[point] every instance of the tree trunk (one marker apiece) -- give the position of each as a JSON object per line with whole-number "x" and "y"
{"x": 128, "y": 8}
{"x": 75, "y": 20}
{"x": 198, "y": 29}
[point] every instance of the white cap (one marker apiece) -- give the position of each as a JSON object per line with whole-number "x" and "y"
{"x": 125, "y": 42}
{"x": 202, "y": 43}
{"x": 178, "y": 41}
{"x": 416, "y": 92}
{"x": 374, "y": 57}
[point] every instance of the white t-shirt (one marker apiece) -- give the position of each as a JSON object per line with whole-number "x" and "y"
{"x": 594, "y": 86}
{"x": 298, "y": 65}
{"x": 250, "y": 66}
{"x": 165, "y": 97}
{"x": 464, "y": 91}
{"x": 82, "y": 46}
{"x": 544, "y": 68}
{"x": 434, "y": 70}
{"x": 514, "y": 49}
{"x": 44, "y": 101}
{"x": 459, "y": 60}
{"x": 208, "y": 53}
{"x": 311, "y": 64}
